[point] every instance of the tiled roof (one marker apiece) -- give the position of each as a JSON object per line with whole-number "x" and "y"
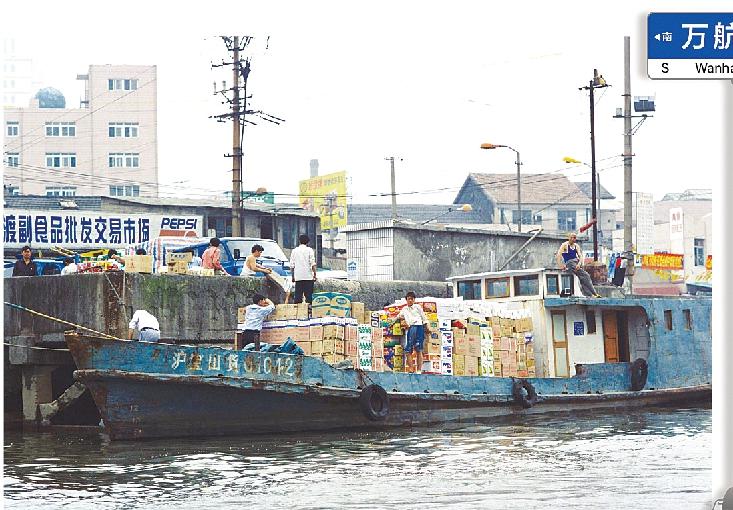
{"x": 586, "y": 188}
{"x": 536, "y": 188}
{"x": 45, "y": 203}
{"x": 368, "y": 213}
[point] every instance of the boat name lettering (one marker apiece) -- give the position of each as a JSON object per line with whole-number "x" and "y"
{"x": 195, "y": 361}
{"x": 179, "y": 359}
{"x": 214, "y": 362}
{"x": 232, "y": 363}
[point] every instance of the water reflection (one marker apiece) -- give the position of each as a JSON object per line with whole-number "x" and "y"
{"x": 648, "y": 459}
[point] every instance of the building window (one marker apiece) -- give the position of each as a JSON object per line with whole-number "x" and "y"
{"x": 60, "y": 191}
{"x": 61, "y": 159}
{"x": 552, "y": 284}
{"x": 12, "y": 190}
{"x": 121, "y": 84}
{"x": 124, "y": 159}
{"x": 124, "y": 191}
{"x": 526, "y": 217}
{"x": 497, "y": 287}
{"x": 470, "y": 289}
{"x": 668, "y": 320}
{"x": 12, "y": 159}
{"x": 688, "y": 319}
{"x": 590, "y": 320}
{"x": 60, "y": 129}
{"x": 526, "y": 285}
{"x": 566, "y": 220}
{"x": 568, "y": 282}
{"x": 699, "y": 252}
{"x": 123, "y": 129}
{"x": 12, "y": 128}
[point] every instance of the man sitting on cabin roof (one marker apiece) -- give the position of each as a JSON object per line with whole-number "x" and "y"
{"x": 568, "y": 257}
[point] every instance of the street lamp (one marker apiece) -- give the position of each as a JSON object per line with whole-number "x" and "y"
{"x": 519, "y": 182}
{"x": 462, "y": 208}
{"x": 568, "y": 159}
{"x": 596, "y": 83}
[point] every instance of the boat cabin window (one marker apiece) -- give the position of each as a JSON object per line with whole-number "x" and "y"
{"x": 567, "y": 282}
{"x": 688, "y": 319}
{"x": 526, "y": 285}
{"x": 470, "y": 289}
{"x": 497, "y": 287}
{"x": 668, "y": 319}
{"x": 553, "y": 287}
{"x": 590, "y": 320}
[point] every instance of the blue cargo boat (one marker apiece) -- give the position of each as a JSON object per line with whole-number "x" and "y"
{"x": 149, "y": 390}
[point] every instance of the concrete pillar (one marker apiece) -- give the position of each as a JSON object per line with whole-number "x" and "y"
{"x": 36, "y": 390}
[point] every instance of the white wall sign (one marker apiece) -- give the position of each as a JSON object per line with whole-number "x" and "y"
{"x": 676, "y": 230}
{"x": 352, "y": 269}
{"x": 644, "y": 220}
{"x": 89, "y": 229}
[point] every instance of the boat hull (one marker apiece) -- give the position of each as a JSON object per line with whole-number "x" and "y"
{"x": 138, "y": 406}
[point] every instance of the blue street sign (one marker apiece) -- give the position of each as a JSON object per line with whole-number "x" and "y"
{"x": 692, "y": 45}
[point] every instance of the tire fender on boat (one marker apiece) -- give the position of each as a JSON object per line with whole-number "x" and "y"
{"x": 524, "y": 393}
{"x": 374, "y": 402}
{"x": 639, "y": 372}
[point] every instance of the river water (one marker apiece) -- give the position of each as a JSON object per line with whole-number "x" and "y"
{"x": 646, "y": 459}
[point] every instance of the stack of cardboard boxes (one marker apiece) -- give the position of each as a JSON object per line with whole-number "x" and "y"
{"x": 138, "y": 263}
{"x": 513, "y": 347}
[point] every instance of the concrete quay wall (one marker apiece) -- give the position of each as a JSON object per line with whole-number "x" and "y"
{"x": 189, "y": 308}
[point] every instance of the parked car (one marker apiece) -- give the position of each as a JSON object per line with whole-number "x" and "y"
{"x": 235, "y": 250}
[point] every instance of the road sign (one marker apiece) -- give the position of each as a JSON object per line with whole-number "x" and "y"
{"x": 693, "y": 46}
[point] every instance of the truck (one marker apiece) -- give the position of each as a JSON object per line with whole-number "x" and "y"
{"x": 235, "y": 250}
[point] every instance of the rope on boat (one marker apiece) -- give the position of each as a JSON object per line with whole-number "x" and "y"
{"x": 78, "y": 326}
{"x": 34, "y": 347}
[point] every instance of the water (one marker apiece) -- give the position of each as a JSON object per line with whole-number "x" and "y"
{"x": 653, "y": 459}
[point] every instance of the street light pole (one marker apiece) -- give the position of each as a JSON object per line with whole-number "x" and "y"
{"x": 519, "y": 179}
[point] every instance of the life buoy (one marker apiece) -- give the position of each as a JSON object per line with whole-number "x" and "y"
{"x": 639, "y": 372}
{"x": 524, "y": 393}
{"x": 374, "y": 402}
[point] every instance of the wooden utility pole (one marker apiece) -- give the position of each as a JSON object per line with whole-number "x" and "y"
{"x": 238, "y": 103}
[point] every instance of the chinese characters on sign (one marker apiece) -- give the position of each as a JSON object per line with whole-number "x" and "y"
{"x": 42, "y": 229}
{"x": 690, "y": 45}
{"x": 326, "y": 195}
{"x": 279, "y": 366}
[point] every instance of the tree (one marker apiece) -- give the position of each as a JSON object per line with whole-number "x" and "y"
{"x": 50, "y": 97}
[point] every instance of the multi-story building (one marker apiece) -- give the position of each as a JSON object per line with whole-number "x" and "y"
{"x": 108, "y": 147}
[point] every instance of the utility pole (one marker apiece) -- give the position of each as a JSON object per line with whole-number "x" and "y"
{"x": 394, "y": 194}
{"x": 236, "y": 147}
{"x": 240, "y": 71}
{"x": 519, "y": 193}
{"x": 595, "y": 83}
{"x": 628, "y": 195}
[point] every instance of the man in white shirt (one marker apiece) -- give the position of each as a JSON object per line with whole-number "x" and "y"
{"x": 303, "y": 268}
{"x": 69, "y": 266}
{"x": 260, "y": 308}
{"x": 417, "y": 327}
{"x": 147, "y": 326}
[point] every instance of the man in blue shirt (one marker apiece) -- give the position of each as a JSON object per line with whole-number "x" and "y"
{"x": 569, "y": 258}
{"x": 256, "y": 313}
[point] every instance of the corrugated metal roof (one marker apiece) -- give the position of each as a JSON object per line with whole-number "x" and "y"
{"x": 44, "y": 203}
{"x": 370, "y": 213}
{"x": 536, "y": 188}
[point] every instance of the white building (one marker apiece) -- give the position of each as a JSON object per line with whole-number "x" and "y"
{"x": 108, "y": 147}
{"x": 18, "y": 84}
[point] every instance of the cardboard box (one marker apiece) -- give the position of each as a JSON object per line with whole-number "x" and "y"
{"x": 471, "y": 364}
{"x": 316, "y": 347}
{"x": 377, "y": 334}
{"x": 351, "y": 348}
{"x": 378, "y": 364}
{"x": 185, "y": 256}
{"x": 433, "y": 347}
{"x": 177, "y": 267}
{"x": 241, "y": 313}
{"x": 497, "y": 368}
{"x": 306, "y": 346}
{"x": 474, "y": 346}
{"x": 333, "y": 331}
{"x": 301, "y": 310}
{"x": 329, "y": 345}
{"x": 458, "y": 332}
{"x": 378, "y": 345}
{"x": 459, "y": 364}
{"x": 315, "y": 332}
{"x": 340, "y": 347}
{"x": 329, "y": 358}
{"x": 460, "y": 346}
{"x": 486, "y": 368}
{"x": 139, "y": 263}
{"x": 473, "y": 329}
{"x": 357, "y": 310}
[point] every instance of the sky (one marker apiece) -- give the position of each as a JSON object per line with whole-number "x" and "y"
{"x": 426, "y": 82}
